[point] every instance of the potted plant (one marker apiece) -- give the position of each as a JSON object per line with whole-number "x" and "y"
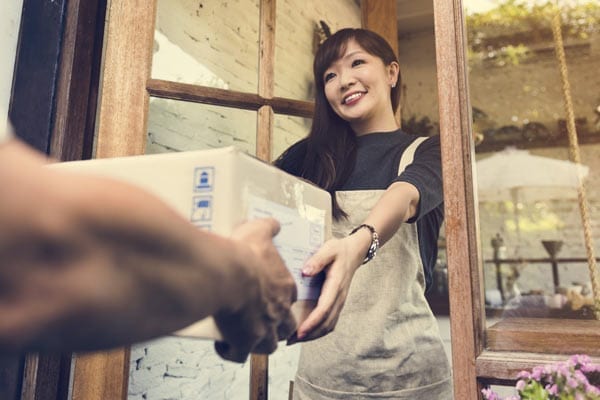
{"x": 576, "y": 379}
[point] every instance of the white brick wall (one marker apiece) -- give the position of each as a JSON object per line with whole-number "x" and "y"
{"x": 216, "y": 44}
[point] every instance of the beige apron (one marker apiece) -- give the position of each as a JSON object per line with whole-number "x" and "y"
{"x": 386, "y": 344}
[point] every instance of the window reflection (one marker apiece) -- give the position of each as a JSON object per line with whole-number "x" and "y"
{"x": 182, "y": 126}
{"x": 532, "y": 231}
{"x": 298, "y": 32}
{"x": 208, "y": 43}
{"x": 288, "y": 130}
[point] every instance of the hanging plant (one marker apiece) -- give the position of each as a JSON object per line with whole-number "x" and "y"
{"x": 507, "y": 33}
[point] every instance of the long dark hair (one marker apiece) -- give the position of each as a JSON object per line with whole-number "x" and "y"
{"x": 331, "y": 143}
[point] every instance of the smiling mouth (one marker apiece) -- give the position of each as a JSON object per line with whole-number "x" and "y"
{"x": 353, "y": 97}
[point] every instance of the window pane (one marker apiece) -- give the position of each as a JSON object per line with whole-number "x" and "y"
{"x": 532, "y": 232}
{"x": 176, "y": 367}
{"x": 179, "y": 126}
{"x": 296, "y": 41}
{"x": 284, "y": 362}
{"x": 208, "y": 43}
{"x": 288, "y": 130}
{"x": 186, "y": 369}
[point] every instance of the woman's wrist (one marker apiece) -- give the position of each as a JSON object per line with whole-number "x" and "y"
{"x": 369, "y": 241}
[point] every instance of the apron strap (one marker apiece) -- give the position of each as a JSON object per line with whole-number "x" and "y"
{"x": 409, "y": 153}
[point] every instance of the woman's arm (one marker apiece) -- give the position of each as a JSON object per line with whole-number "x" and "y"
{"x": 340, "y": 258}
{"x": 88, "y": 263}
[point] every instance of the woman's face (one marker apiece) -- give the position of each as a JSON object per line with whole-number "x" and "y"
{"x": 357, "y": 87}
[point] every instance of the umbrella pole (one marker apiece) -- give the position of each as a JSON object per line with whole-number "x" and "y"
{"x": 515, "y": 200}
{"x": 574, "y": 154}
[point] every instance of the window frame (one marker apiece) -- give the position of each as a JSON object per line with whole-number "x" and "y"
{"x": 479, "y": 357}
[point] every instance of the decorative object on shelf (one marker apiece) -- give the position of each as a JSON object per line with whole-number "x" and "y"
{"x": 533, "y": 131}
{"x": 421, "y": 127}
{"x": 553, "y": 247}
{"x": 577, "y": 378}
{"x": 321, "y": 33}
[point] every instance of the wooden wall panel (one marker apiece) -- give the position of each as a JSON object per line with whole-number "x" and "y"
{"x": 381, "y": 16}
{"x": 101, "y": 375}
{"x": 78, "y": 80}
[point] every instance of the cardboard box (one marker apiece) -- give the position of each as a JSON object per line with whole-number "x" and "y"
{"x": 218, "y": 189}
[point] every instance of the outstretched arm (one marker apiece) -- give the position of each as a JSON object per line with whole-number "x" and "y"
{"x": 89, "y": 263}
{"x": 340, "y": 258}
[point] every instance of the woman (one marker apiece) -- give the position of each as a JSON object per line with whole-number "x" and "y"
{"x": 387, "y": 189}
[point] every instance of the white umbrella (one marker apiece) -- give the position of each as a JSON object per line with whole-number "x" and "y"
{"x": 518, "y": 176}
{"x": 514, "y": 174}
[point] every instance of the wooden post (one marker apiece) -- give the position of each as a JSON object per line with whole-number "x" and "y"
{"x": 121, "y": 131}
{"x": 462, "y": 235}
{"x": 259, "y": 364}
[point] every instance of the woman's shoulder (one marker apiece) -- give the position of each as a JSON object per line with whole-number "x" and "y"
{"x": 429, "y": 145}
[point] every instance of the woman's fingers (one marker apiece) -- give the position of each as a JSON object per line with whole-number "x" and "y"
{"x": 321, "y": 259}
{"x": 331, "y": 292}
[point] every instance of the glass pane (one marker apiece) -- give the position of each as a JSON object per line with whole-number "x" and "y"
{"x": 282, "y": 370}
{"x": 297, "y": 32}
{"x": 181, "y": 126}
{"x": 208, "y": 43}
{"x": 175, "y": 367}
{"x": 532, "y": 231}
{"x": 284, "y": 362}
{"x": 186, "y": 369}
{"x": 288, "y": 130}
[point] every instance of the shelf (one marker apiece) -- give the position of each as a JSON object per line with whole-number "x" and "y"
{"x": 544, "y": 335}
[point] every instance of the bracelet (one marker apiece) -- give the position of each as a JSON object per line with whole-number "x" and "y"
{"x": 374, "y": 242}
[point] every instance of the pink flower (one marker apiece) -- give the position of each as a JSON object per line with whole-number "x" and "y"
{"x": 576, "y": 379}
{"x": 572, "y": 382}
{"x": 524, "y": 375}
{"x": 489, "y": 394}
{"x": 552, "y": 389}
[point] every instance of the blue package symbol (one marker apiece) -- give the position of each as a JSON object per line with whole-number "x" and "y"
{"x": 202, "y": 208}
{"x": 204, "y": 179}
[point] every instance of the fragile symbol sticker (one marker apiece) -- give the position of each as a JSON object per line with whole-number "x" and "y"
{"x": 204, "y": 178}
{"x": 202, "y": 208}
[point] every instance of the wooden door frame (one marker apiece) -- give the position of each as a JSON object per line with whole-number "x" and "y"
{"x": 462, "y": 237}
{"x": 52, "y": 106}
{"x": 479, "y": 355}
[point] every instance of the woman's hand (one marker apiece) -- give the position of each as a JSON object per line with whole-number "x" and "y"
{"x": 339, "y": 259}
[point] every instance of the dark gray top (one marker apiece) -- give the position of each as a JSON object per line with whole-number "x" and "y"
{"x": 377, "y": 159}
